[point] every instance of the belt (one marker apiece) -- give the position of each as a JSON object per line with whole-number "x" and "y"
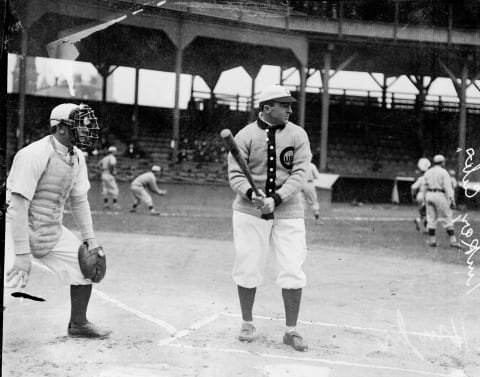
{"x": 435, "y": 190}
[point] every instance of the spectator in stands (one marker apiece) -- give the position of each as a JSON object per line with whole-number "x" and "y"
{"x": 417, "y": 191}
{"x": 142, "y": 184}
{"x": 109, "y": 184}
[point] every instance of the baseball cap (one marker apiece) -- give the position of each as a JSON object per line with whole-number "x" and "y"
{"x": 276, "y": 92}
{"x": 156, "y": 168}
{"x": 438, "y": 158}
{"x": 423, "y": 164}
{"x": 112, "y": 149}
{"x": 61, "y": 112}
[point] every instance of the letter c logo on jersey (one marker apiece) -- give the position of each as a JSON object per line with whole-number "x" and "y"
{"x": 286, "y": 158}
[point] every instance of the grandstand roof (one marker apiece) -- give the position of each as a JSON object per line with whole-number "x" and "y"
{"x": 219, "y": 35}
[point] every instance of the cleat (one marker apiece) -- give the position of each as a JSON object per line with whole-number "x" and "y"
{"x": 432, "y": 244}
{"x": 247, "y": 333}
{"x": 154, "y": 213}
{"x": 86, "y": 330}
{"x": 133, "y": 210}
{"x": 295, "y": 340}
{"x": 455, "y": 245}
{"x": 417, "y": 224}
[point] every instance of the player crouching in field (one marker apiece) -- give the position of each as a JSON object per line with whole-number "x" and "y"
{"x": 144, "y": 182}
{"x": 43, "y": 176}
{"x": 278, "y": 155}
{"x": 417, "y": 191}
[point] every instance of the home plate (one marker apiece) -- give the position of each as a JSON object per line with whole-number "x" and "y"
{"x": 294, "y": 370}
{"x": 146, "y": 370}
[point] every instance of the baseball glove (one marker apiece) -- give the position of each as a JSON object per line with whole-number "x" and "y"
{"x": 92, "y": 265}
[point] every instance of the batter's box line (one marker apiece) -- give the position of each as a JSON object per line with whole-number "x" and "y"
{"x": 192, "y": 328}
{"x": 451, "y": 373}
{"x": 356, "y": 328}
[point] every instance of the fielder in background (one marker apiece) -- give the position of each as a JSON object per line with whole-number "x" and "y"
{"x": 310, "y": 190}
{"x": 439, "y": 198}
{"x": 417, "y": 192}
{"x": 109, "y": 183}
{"x": 278, "y": 155}
{"x": 43, "y": 175}
{"x": 142, "y": 184}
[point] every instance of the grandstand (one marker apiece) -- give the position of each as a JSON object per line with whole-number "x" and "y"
{"x": 368, "y": 138}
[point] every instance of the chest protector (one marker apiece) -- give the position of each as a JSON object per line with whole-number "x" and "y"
{"x": 45, "y": 214}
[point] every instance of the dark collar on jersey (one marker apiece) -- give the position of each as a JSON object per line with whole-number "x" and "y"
{"x": 264, "y": 125}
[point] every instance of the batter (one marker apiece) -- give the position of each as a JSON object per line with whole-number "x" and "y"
{"x": 278, "y": 155}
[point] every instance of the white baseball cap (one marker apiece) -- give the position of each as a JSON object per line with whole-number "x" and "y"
{"x": 61, "y": 112}
{"x": 438, "y": 159}
{"x": 156, "y": 168}
{"x": 423, "y": 164}
{"x": 112, "y": 149}
{"x": 276, "y": 92}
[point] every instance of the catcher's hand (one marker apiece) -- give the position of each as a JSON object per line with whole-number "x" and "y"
{"x": 92, "y": 262}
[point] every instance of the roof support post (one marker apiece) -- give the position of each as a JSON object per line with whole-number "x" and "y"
{"x": 327, "y": 65}
{"x": 22, "y": 87}
{"x": 176, "y": 109}
{"x": 461, "y": 85}
{"x": 303, "y": 96}
{"x": 135, "y": 106}
{"x": 326, "y": 76}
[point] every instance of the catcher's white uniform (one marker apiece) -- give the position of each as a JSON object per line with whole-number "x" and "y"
{"x": 45, "y": 173}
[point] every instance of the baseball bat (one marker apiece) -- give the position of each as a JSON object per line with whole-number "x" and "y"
{"x": 232, "y": 147}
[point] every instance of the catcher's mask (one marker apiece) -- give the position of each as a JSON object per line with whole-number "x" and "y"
{"x": 82, "y": 122}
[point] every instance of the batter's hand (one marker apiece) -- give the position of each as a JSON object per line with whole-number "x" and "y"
{"x": 268, "y": 205}
{"x": 19, "y": 274}
{"x": 258, "y": 201}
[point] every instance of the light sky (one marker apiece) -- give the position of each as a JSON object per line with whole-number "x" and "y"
{"x": 157, "y": 88}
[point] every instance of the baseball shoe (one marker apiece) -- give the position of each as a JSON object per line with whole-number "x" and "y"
{"x": 432, "y": 243}
{"x": 417, "y": 224}
{"x": 116, "y": 207}
{"x": 247, "y": 333}
{"x": 294, "y": 339}
{"x": 154, "y": 213}
{"x": 132, "y": 210}
{"x": 106, "y": 208}
{"x": 86, "y": 330}
{"x": 455, "y": 245}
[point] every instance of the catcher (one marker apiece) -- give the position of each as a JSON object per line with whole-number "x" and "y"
{"x": 144, "y": 182}
{"x": 43, "y": 175}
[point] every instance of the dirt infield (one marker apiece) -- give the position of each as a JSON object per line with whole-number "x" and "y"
{"x": 378, "y": 303}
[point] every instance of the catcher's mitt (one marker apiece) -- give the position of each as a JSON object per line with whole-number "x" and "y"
{"x": 92, "y": 265}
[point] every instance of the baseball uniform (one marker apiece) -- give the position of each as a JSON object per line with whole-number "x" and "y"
{"x": 310, "y": 190}
{"x": 278, "y": 158}
{"x": 109, "y": 184}
{"x": 46, "y": 174}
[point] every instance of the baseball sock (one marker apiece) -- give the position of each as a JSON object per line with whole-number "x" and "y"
{"x": 135, "y": 205}
{"x": 79, "y": 298}
{"x": 291, "y": 300}
{"x": 114, "y": 200}
{"x": 247, "y": 297}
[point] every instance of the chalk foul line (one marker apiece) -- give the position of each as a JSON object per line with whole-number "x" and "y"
{"x": 309, "y": 359}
